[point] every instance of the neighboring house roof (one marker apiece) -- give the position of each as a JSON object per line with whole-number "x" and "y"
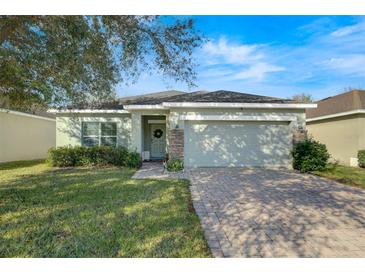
{"x": 339, "y": 105}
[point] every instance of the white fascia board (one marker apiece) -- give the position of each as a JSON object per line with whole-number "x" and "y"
{"x": 156, "y": 121}
{"x": 26, "y": 114}
{"x": 279, "y": 118}
{"x": 340, "y": 114}
{"x": 88, "y": 111}
{"x": 238, "y": 105}
{"x": 141, "y": 107}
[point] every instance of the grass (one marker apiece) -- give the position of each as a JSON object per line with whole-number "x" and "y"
{"x": 353, "y": 176}
{"x": 94, "y": 212}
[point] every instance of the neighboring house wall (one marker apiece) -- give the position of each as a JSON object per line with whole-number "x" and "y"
{"x": 25, "y": 137}
{"x": 344, "y": 136}
{"x": 69, "y": 127}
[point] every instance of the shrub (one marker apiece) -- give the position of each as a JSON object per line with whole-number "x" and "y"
{"x": 88, "y": 156}
{"x": 119, "y": 156}
{"x": 61, "y": 157}
{"x": 310, "y": 155}
{"x": 175, "y": 165}
{"x": 361, "y": 158}
{"x": 133, "y": 160}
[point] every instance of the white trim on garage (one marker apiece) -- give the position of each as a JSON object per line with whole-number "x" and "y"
{"x": 194, "y": 117}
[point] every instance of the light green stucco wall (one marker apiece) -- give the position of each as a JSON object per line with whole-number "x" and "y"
{"x": 69, "y": 127}
{"x": 25, "y": 138}
{"x": 131, "y": 127}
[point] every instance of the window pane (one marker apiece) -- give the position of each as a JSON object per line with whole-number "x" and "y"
{"x": 108, "y": 129}
{"x": 90, "y": 141}
{"x": 109, "y": 141}
{"x": 90, "y": 128}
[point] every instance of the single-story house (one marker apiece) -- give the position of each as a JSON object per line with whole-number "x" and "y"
{"x": 25, "y": 136}
{"x": 339, "y": 123}
{"x": 205, "y": 129}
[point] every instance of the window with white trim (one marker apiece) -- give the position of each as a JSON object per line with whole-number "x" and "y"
{"x": 99, "y": 134}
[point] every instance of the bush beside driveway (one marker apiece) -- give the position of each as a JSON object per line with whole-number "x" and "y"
{"x": 94, "y": 212}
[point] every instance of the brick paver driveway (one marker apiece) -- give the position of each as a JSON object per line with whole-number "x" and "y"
{"x": 272, "y": 213}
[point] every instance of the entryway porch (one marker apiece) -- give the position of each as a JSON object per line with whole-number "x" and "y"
{"x": 154, "y": 137}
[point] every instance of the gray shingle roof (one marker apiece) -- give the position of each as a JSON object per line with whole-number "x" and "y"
{"x": 161, "y": 94}
{"x": 219, "y": 96}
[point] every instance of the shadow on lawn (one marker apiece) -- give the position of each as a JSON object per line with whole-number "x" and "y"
{"x": 18, "y": 164}
{"x": 97, "y": 213}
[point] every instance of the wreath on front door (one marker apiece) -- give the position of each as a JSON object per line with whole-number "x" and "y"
{"x": 158, "y": 133}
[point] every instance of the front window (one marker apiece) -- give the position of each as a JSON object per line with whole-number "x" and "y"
{"x": 99, "y": 134}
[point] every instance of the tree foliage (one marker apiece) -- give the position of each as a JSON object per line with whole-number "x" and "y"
{"x": 61, "y": 60}
{"x": 303, "y": 98}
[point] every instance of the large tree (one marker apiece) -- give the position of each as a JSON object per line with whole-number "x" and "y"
{"x": 61, "y": 60}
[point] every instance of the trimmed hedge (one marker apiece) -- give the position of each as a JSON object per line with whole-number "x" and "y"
{"x": 310, "y": 155}
{"x": 361, "y": 158}
{"x": 175, "y": 165}
{"x": 92, "y": 156}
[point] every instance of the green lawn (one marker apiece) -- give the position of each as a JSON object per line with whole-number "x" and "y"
{"x": 94, "y": 212}
{"x": 353, "y": 176}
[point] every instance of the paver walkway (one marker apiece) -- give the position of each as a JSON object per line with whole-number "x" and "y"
{"x": 271, "y": 213}
{"x": 155, "y": 170}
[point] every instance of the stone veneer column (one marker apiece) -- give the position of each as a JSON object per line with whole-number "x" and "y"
{"x": 176, "y": 144}
{"x": 299, "y": 135}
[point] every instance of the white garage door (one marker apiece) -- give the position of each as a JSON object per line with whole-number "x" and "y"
{"x": 220, "y": 144}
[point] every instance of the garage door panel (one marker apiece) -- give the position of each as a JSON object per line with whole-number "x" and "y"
{"x": 237, "y": 144}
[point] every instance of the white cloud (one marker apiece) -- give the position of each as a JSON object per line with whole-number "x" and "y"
{"x": 236, "y": 61}
{"x": 349, "y": 30}
{"x": 347, "y": 64}
{"x": 216, "y": 72}
{"x": 257, "y": 71}
{"x": 230, "y": 53}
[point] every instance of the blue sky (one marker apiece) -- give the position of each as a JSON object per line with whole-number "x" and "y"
{"x": 273, "y": 55}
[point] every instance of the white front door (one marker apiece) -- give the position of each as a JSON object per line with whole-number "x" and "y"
{"x": 158, "y": 140}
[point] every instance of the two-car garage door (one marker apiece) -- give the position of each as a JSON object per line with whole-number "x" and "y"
{"x": 227, "y": 143}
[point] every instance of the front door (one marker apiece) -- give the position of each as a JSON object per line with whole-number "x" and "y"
{"x": 158, "y": 140}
